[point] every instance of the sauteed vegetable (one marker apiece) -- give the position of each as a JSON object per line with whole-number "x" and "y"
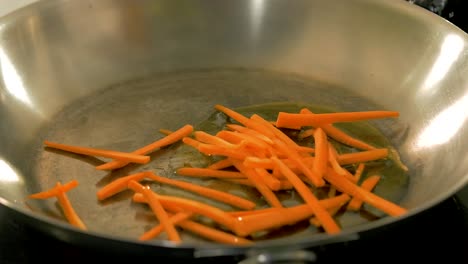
{"x": 288, "y": 152}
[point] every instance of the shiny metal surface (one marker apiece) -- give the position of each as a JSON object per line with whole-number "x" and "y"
{"x": 110, "y": 73}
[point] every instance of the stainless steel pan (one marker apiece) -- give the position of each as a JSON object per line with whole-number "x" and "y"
{"x": 111, "y": 73}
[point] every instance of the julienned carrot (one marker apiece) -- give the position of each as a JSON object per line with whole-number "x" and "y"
{"x": 362, "y": 156}
{"x": 213, "y": 234}
{"x": 165, "y": 131}
{"x": 176, "y": 204}
{"x": 292, "y": 120}
{"x": 272, "y": 182}
{"x": 284, "y": 184}
{"x": 332, "y": 159}
{"x": 321, "y": 153}
{"x": 54, "y": 191}
{"x": 68, "y": 209}
{"x": 221, "y": 164}
{"x": 359, "y": 171}
{"x": 204, "y": 172}
{"x": 207, "y": 192}
{"x": 119, "y": 185}
{"x": 155, "y": 231}
{"x": 124, "y": 156}
{"x": 279, "y": 217}
{"x": 327, "y": 203}
{"x": 336, "y": 134}
{"x": 368, "y": 184}
{"x": 353, "y": 190}
{"x": 306, "y": 133}
{"x": 321, "y": 213}
{"x": 209, "y": 149}
{"x": 294, "y": 156}
{"x": 243, "y": 120}
{"x": 158, "y": 210}
{"x": 163, "y": 142}
{"x": 250, "y": 132}
{"x": 332, "y": 211}
{"x": 260, "y": 185}
{"x": 213, "y": 140}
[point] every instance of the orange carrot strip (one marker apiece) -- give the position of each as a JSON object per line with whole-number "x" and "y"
{"x": 191, "y": 142}
{"x": 338, "y": 134}
{"x": 157, "y": 209}
{"x": 54, "y": 191}
{"x": 332, "y": 211}
{"x": 119, "y": 185}
{"x": 163, "y": 142}
{"x": 359, "y": 171}
{"x": 324, "y": 217}
{"x": 306, "y": 133}
{"x": 207, "y": 192}
{"x": 273, "y": 183}
{"x": 352, "y": 189}
{"x": 243, "y": 120}
{"x": 213, "y": 140}
{"x": 212, "y": 233}
{"x": 252, "y": 175}
{"x": 124, "y": 156}
{"x": 219, "y": 165}
{"x": 293, "y": 120}
{"x": 165, "y": 131}
{"x": 239, "y": 138}
{"x": 332, "y": 159}
{"x": 321, "y": 153}
{"x": 218, "y": 150}
{"x": 368, "y": 184}
{"x": 254, "y": 162}
{"x": 279, "y": 217}
{"x": 176, "y": 204}
{"x": 362, "y": 156}
{"x": 204, "y": 172}
{"x": 327, "y": 203}
{"x": 294, "y": 156}
{"x": 158, "y": 229}
{"x": 68, "y": 209}
{"x": 250, "y": 132}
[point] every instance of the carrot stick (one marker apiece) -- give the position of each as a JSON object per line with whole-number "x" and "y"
{"x": 158, "y": 229}
{"x": 250, "y": 132}
{"x": 243, "y": 120}
{"x": 368, "y": 184}
{"x": 321, "y": 153}
{"x": 119, "y": 185}
{"x": 359, "y": 171}
{"x": 294, "y": 156}
{"x": 213, "y": 234}
{"x": 207, "y": 192}
{"x": 251, "y": 223}
{"x": 260, "y": 185}
{"x": 165, "y": 131}
{"x": 219, "y": 165}
{"x": 54, "y": 191}
{"x": 306, "y": 133}
{"x": 214, "y": 213}
{"x": 213, "y": 140}
{"x": 165, "y": 141}
{"x": 124, "y": 156}
{"x": 273, "y": 183}
{"x": 204, "y": 172}
{"x": 191, "y": 142}
{"x": 222, "y": 151}
{"x": 332, "y": 159}
{"x": 157, "y": 209}
{"x": 292, "y": 120}
{"x": 352, "y": 189}
{"x": 68, "y": 209}
{"x": 238, "y": 138}
{"x": 337, "y": 134}
{"x": 332, "y": 211}
{"x": 324, "y": 217}
{"x": 362, "y": 156}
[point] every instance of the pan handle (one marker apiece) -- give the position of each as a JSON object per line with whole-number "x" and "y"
{"x": 295, "y": 256}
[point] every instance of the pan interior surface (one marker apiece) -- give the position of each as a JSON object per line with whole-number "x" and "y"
{"x": 128, "y": 116}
